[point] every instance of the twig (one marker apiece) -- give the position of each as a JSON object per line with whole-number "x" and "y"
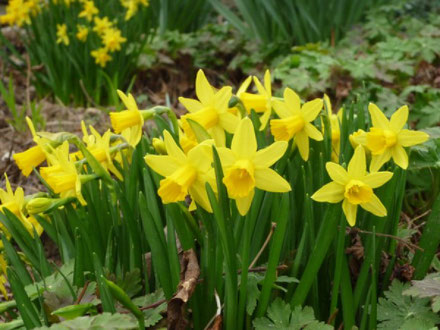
{"x": 401, "y": 240}
{"x": 269, "y": 236}
{"x": 333, "y": 316}
{"x": 219, "y": 310}
{"x": 82, "y": 293}
{"x": 156, "y": 304}
{"x": 81, "y": 84}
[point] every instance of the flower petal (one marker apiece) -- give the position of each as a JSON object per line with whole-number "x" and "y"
{"x": 222, "y": 98}
{"x": 399, "y": 119}
{"x": 267, "y": 83}
{"x": 409, "y": 138}
{"x": 350, "y": 211}
{"x": 400, "y": 156}
{"x": 218, "y": 134}
{"x": 199, "y": 195}
{"x": 377, "y": 179}
{"x": 173, "y": 149}
{"x": 264, "y": 119}
{"x": 201, "y": 157}
{"x": 337, "y": 173}
{"x": 244, "y": 204}
{"x": 268, "y": 156}
{"x": 190, "y": 104}
{"x": 311, "y": 109}
{"x": 204, "y": 90}
{"x": 281, "y": 109}
{"x": 331, "y": 192}
{"x": 164, "y": 165}
{"x": 229, "y": 122}
{"x": 375, "y": 206}
{"x": 260, "y": 88}
{"x": 244, "y": 86}
{"x": 377, "y": 117}
{"x": 357, "y": 167}
{"x": 269, "y": 180}
{"x": 302, "y": 141}
{"x": 313, "y": 132}
{"x": 292, "y": 100}
{"x": 226, "y": 155}
{"x": 244, "y": 143}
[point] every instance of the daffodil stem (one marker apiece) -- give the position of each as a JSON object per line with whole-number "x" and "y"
{"x": 338, "y": 265}
{"x": 325, "y": 236}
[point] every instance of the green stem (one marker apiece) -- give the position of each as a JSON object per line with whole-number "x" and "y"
{"x": 338, "y": 265}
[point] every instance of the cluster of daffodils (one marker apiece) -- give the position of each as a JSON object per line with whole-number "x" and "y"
{"x": 90, "y": 24}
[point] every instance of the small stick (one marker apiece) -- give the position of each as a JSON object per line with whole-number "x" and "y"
{"x": 401, "y": 240}
{"x": 266, "y": 242}
{"x": 82, "y": 293}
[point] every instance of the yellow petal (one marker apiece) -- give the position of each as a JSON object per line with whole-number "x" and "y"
{"x": 204, "y": 90}
{"x": 377, "y": 179}
{"x": 201, "y": 157}
{"x": 302, "y": 141}
{"x": 313, "y": 132}
{"x": 377, "y": 161}
{"x": 311, "y": 109}
{"x": 244, "y": 204}
{"x": 357, "y": 166}
{"x": 375, "y": 206}
{"x": 399, "y": 119}
{"x": 164, "y": 165}
{"x": 269, "y": 180}
{"x": 292, "y": 100}
{"x": 190, "y": 104}
{"x": 337, "y": 173}
{"x": 244, "y": 86}
{"x": 400, "y": 157}
{"x": 199, "y": 195}
{"x": 264, "y": 119}
{"x": 222, "y": 97}
{"x": 377, "y": 117}
{"x": 260, "y": 88}
{"x": 226, "y": 155}
{"x": 128, "y": 101}
{"x": 172, "y": 148}
{"x": 350, "y": 211}
{"x": 218, "y": 134}
{"x": 409, "y": 138}
{"x": 229, "y": 122}
{"x": 331, "y": 193}
{"x": 268, "y": 156}
{"x": 281, "y": 109}
{"x": 267, "y": 83}
{"x": 244, "y": 142}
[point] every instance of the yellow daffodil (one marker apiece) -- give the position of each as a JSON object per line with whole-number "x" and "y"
{"x": 296, "y": 121}
{"x": 185, "y": 142}
{"x": 245, "y": 168}
{"x": 358, "y": 138}
{"x": 335, "y": 122}
{"x": 183, "y": 174}
{"x": 63, "y": 176}
{"x": 89, "y": 10}
{"x": 132, "y": 7}
{"x": 387, "y": 138}
{"x": 210, "y": 111}
{"x": 112, "y": 39}
{"x": 101, "y": 56}
{"x": 62, "y": 37}
{"x": 353, "y": 187}
{"x": 82, "y": 33}
{"x": 102, "y": 25}
{"x": 17, "y": 13}
{"x": 261, "y": 102}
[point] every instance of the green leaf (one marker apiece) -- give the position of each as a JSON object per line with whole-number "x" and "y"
{"x": 429, "y": 287}
{"x": 73, "y": 311}
{"x": 105, "y": 321}
{"x": 152, "y": 315}
{"x": 199, "y": 131}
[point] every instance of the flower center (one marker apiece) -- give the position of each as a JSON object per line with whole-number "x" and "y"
{"x": 239, "y": 179}
{"x": 174, "y": 188}
{"x": 357, "y": 192}
{"x": 379, "y": 139}
{"x": 125, "y": 119}
{"x": 390, "y": 138}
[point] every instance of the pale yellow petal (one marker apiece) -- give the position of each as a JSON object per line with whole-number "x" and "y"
{"x": 281, "y": 109}
{"x": 267, "y": 83}
{"x": 409, "y": 138}
{"x": 226, "y": 155}
{"x": 173, "y": 149}
{"x": 313, "y": 132}
{"x": 190, "y": 104}
{"x": 201, "y": 157}
{"x": 377, "y": 179}
{"x": 350, "y": 211}
{"x": 400, "y": 156}
{"x": 204, "y": 90}
{"x": 375, "y": 206}
{"x": 222, "y": 98}
{"x": 164, "y": 165}
{"x": 244, "y": 86}
{"x": 337, "y": 173}
{"x": 311, "y": 109}
{"x": 244, "y": 143}
{"x": 128, "y": 101}
{"x": 229, "y": 122}
{"x": 269, "y": 180}
{"x": 302, "y": 142}
{"x": 218, "y": 134}
{"x": 268, "y": 156}
{"x": 399, "y": 119}
{"x": 199, "y": 195}
{"x": 264, "y": 119}
{"x": 357, "y": 167}
{"x": 244, "y": 204}
{"x": 377, "y": 117}
{"x": 331, "y": 193}
{"x": 377, "y": 161}
{"x": 292, "y": 100}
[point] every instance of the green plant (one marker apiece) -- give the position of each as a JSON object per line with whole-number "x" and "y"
{"x": 18, "y": 114}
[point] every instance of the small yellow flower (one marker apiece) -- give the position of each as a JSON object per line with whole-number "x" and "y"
{"x": 112, "y": 39}
{"x": 62, "y": 36}
{"x": 101, "y": 56}
{"x": 335, "y": 121}
{"x": 246, "y": 168}
{"x": 210, "y": 111}
{"x": 353, "y": 187}
{"x": 185, "y": 142}
{"x": 89, "y": 10}
{"x": 358, "y": 138}
{"x": 102, "y": 25}
{"x": 296, "y": 121}
{"x": 261, "y": 102}
{"x": 387, "y": 138}
{"x": 184, "y": 174}
{"x": 17, "y": 13}
{"x": 132, "y": 7}
{"x": 27, "y": 160}
{"x": 82, "y": 33}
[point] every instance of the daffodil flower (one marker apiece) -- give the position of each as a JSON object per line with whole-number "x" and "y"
{"x": 210, "y": 110}
{"x": 353, "y": 187}
{"x": 296, "y": 121}
{"x": 358, "y": 138}
{"x": 261, "y": 102}
{"x": 335, "y": 121}
{"x": 183, "y": 174}
{"x": 89, "y": 10}
{"x": 387, "y": 138}
{"x": 245, "y": 168}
